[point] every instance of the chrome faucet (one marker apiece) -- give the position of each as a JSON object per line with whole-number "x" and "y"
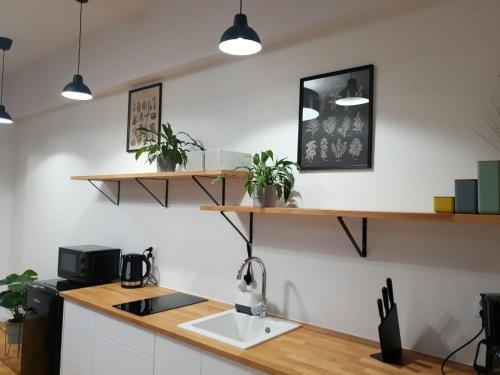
{"x": 261, "y": 309}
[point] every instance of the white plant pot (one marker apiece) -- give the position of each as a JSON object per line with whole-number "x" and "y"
{"x": 265, "y": 197}
{"x": 14, "y": 333}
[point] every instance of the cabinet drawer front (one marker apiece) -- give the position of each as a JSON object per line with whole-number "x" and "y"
{"x": 111, "y": 358}
{"x": 174, "y": 358}
{"x": 78, "y": 340}
{"x": 215, "y": 365}
{"x": 132, "y": 337}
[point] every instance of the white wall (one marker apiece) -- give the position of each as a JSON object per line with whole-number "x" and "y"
{"x": 7, "y": 178}
{"x": 434, "y": 69}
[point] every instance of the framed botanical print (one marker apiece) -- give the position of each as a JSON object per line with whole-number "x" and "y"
{"x": 336, "y": 120}
{"x": 144, "y": 111}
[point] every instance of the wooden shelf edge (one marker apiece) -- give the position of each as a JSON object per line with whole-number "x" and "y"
{"x": 161, "y": 175}
{"x": 429, "y": 216}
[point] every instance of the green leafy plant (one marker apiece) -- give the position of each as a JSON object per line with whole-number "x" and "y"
{"x": 264, "y": 171}
{"x": 14, "y": 298}
{"x": 170, "y": 147}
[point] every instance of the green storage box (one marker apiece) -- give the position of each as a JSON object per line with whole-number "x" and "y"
{"x": 466, "y": 196}
{"x": 489, "y": 187}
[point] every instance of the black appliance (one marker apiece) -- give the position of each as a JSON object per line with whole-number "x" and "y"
{"x": 491, "y": 323}
{"x": 133, "y": 275}
{"x": 89, "y": 264}
{"x": 155, "y": 305}
{"x": 43, "y": 327}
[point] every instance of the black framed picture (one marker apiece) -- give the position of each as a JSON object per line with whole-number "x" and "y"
{"x": 336, "y": 120}
{"x": 144, "y": 111}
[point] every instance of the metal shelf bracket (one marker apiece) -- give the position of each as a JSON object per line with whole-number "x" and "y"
{"x": 223, "y": 191}
{"x": 162, "y": 203}
{"x": 248, "y": 240}
{"x": 115, "y": 202}
{"x": 361, "y": 251}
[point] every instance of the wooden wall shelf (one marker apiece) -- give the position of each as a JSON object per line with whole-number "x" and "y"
{"x": 341, "y": 214}
{"x": 429, "y": 216}
{"x": 162, "y": 176}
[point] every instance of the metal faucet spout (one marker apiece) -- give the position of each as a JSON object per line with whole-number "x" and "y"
{"x": 262, "y": 309}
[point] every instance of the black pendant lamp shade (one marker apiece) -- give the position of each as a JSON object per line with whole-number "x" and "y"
{"x": 240, "y": 39}
{"x": 76, "y": 89}
{"x": 5, "y": 118}
{"x": 310, "y": 108}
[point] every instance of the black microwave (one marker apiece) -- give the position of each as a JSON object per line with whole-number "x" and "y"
{"x": 89, "y": 264}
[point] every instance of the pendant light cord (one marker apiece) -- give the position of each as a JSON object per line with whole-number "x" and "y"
{"x": 80, "y": 38}
{"x": 241, "y": 6}
{"x": 3, "y": 68}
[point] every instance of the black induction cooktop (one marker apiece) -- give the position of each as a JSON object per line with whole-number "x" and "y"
{"x": 155, "y": 305}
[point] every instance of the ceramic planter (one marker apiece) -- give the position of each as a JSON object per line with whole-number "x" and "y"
{"x": 265, "y": 196}
{"x": 14, "y": 333}
{"x": 165, "y": 165}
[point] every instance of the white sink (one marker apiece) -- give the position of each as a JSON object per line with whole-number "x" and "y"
{"x": 240, "y": 330}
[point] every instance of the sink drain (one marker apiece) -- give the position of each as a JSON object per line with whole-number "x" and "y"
{"x": 268, "y": 330}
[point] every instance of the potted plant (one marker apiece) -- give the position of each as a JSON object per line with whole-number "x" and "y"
{"x": 268, "y": 182}
{"x": 170, "y": 151}
{"x": 14, "y": 300}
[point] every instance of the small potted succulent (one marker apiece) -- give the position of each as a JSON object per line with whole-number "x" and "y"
{"x": 268, "y": 182}
{"x": 170, "y": 151}
{"x": 14, "y": 300}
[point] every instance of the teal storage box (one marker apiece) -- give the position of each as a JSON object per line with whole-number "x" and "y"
{"x": 466, "y": 197}
{"x": 489, "y": 187}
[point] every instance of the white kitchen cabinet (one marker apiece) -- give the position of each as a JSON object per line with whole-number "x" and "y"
{"x": 111, "y": 358}
{"x": 215, "y": 365}
{"x": 97, "y": 344}
{"x": 133, "y": 337}
{"x": 174, "y": 358}
{"x": 77, "y": 347}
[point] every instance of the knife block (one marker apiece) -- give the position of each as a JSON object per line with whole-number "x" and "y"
{"x": 390, "y": 339}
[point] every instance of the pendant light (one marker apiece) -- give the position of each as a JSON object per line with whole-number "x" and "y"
{"x": 350, "y": 95}
{"x": 310, "y": 106}
{"x": 76, "y": 89}
{"x": 5, "y": 118}
{"x": 240, "y": 39}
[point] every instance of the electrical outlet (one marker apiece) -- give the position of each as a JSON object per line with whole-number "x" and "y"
{"x": 155, "y": 254}
{"x": 476, "y": 306}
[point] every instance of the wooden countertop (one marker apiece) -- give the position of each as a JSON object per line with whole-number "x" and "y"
{"x": 306, "y": 350}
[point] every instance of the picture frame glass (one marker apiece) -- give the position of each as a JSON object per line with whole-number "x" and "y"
{"x": 336, "y": 120}
{"x": 144, "y": 111}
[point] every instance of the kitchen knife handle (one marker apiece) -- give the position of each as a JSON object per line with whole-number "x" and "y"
{"x": 380, "y": 309}
{"x": 390, "y": 291}
{"x": 386, "y": 300}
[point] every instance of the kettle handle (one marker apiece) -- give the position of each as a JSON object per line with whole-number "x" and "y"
{"x": 148, "y": 266}
{"x": 480, "y": 369}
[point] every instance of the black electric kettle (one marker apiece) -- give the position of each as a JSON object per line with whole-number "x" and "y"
{"x": 132, "y": 270}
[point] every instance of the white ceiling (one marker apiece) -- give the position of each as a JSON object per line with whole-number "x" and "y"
{"x": 127, "y": 42}
{"x": 41, "y": 28}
